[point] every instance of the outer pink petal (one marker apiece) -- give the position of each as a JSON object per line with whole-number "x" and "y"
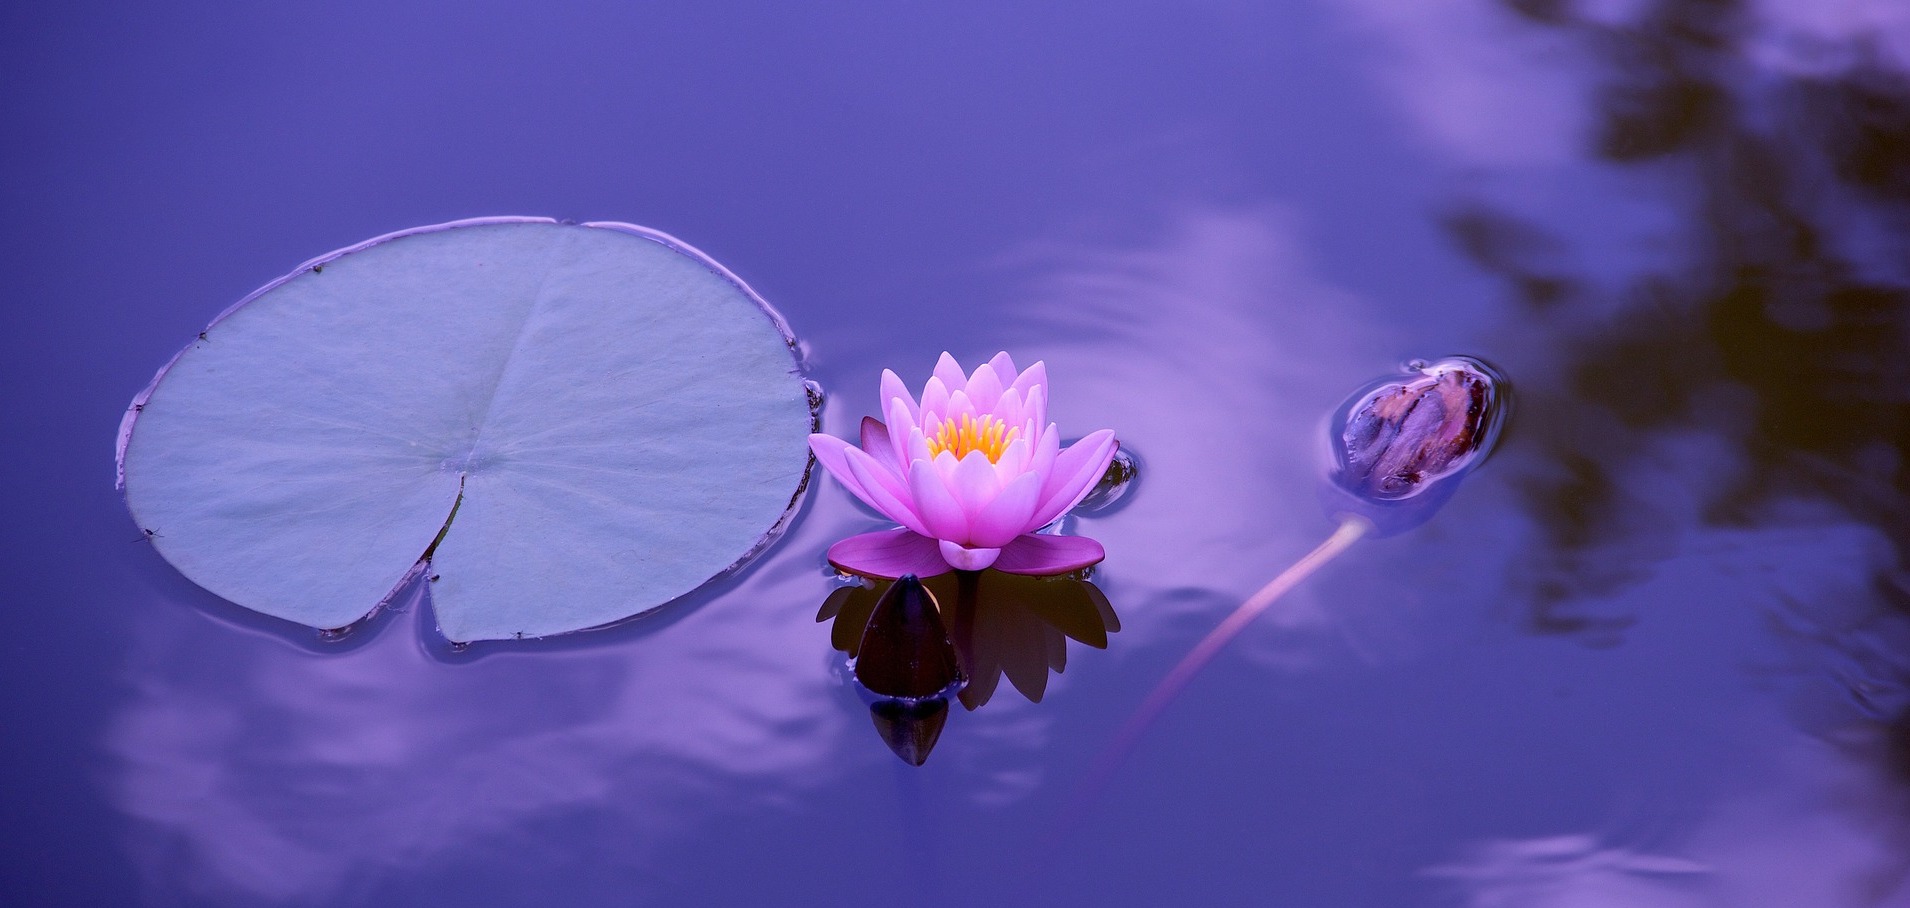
{"x": 984, "y": 388}
{"x": 950, "y": 372}
{"x": 901, "y": 510}
{"x": 1047, "y": 555}
{"x": 874, "y": 477}
{"x": 941, "y": 514}
{"x": 889, "y": 554}
{"x": 894, "y": 390}
{"x": 1074, "y": 475}
{"x": 832, "y": 453}
{"x": 876, "y": 443}
{"x": 1008, "y": 515}
{"x": 901, "y": 423}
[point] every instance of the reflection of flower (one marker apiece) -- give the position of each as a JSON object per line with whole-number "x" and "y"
{"x": 970, "y": 472}
{"x": 999, "y": 625}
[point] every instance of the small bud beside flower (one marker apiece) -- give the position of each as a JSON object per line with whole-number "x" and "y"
{"x": 1401, "y": 447}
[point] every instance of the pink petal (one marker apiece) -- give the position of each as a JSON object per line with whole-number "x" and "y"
{"x": 1008, "y": 515}
{"x": 1032, "y": 385}
{"x": 984, "y": 388}
{"x": 917, "y": 447}
{"x": 894, "y": 390}
{"x": 900, "y": 424}
{"x": 897, "y": 508}
{"x": 865, "y": 480}
{"x": 1048, "y": 555}
{"x": 875, "y": 477}
{"x": 950, "y": 372}
{"x": 1034, "y": 407}
{"x": 877, "y": 444}
{"x": 959, "y": 405}
{"x": 1047, "y": 449}
{"x": 1036, "y": 374}
{"x": 1014, "y": 459}
{"x": 1008, "y": 409}
{"x": 1003, "y": 364}
{"x": 975, "y": 485}
{"x": 1074, "y": 475}
{"x": 934, "y": 400}
{"x": 941, "y": 514}
{"x": 832, "y": 453}
{"x": 963, "y": 558}
{"x": 889, "y": 554}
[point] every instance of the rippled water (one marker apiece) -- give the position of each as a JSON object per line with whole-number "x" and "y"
{"x": 1656, "y": 652}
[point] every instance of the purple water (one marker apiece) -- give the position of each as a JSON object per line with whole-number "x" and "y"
{"x": 1655, "y": 653}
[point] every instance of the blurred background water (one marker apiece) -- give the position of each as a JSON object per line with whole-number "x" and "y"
{"x": 1655, "y": 653}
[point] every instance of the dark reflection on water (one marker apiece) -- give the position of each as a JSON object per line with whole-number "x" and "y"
{"x": 993, "y": 624}
{"x": 1769, "y": 363}
{"x": 1783, "y": 332}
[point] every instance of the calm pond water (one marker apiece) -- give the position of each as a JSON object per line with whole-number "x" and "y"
{"x": 1655, "y": 653}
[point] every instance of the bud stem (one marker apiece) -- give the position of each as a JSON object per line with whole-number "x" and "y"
{"x": 1351, "y": 528}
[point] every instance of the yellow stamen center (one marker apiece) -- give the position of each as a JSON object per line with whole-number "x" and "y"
{"x": 990, "y": 436}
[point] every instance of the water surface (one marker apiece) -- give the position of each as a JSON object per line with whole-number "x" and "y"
{"x": 1652, "y": 654}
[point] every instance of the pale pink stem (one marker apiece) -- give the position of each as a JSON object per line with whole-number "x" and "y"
{"x": 1350, "y": 530}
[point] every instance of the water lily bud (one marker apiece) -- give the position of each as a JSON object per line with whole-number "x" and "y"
{"x": 1401, "y": 446}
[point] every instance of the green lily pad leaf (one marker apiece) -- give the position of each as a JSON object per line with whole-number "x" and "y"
{"x": 571, "y": 423}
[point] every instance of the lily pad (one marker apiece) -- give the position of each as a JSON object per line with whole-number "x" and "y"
{"x": 572, "y": 423}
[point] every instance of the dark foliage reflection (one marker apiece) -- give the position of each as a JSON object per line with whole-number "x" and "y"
{"x": 1785, "y": 328}
{"x": 1779, "y": 327}
{"x": 916, "y": 643}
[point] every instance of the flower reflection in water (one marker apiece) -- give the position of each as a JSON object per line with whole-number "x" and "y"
{"x": 917, "y": 642}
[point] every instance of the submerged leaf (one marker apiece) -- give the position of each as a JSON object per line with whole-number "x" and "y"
{"x": 576, "y": 423}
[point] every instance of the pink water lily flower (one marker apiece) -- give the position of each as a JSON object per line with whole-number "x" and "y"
{"x": 970, "y": 472}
